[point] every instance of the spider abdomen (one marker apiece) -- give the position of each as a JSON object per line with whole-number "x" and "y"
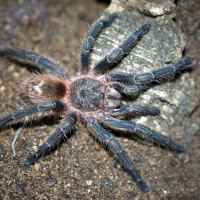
{"x": 40, "y": 88}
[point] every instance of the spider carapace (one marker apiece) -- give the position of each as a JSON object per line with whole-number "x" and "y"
{"x": 94, "y": 96}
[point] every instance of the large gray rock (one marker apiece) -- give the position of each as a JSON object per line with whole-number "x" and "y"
{"x": 163, "y": 45}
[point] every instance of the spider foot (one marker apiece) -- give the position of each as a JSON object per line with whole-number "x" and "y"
{"x": 17, "y": 133}
{"x": 143, "y": 186}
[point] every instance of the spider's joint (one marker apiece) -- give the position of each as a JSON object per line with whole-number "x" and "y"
{"x": 115, "y": 55}
{"x": 174, "y": 68}
{"x": 87, "y": 51}
{"x": 38, "y": 107}
{"x": 91, "y": 120}
{"x": 108, "y": 59}
{"x": 73, "y": 120}
{"x": 90, "y": 37}
{"x": 120, "y": 151}
{"x": 37, "y": 59}
{"x": 13, "y": 117}
{"x": 48, "y": 144}
{"x": 61, "y": 129}
{"x": 105, "y": 117}
{"x": 135, "y": 126}
{"x": 54, "y": 104}
{"x": 152, "y": 74}
{"x": 109, "y": 139}
{"x": 26, "y": 118}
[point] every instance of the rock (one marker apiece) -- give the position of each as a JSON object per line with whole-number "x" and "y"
{"x": 163, "y": 45}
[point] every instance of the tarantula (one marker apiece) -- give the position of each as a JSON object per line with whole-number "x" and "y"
{"x": 94, "y": 97}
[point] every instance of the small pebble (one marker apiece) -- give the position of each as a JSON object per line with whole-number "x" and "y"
{"x": 37, "y": 167}
{"x": 107, "y": 184}
{"x": 89, "y": 182}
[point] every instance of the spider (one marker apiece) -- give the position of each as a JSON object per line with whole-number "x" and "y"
{"x": 94, "y": 97}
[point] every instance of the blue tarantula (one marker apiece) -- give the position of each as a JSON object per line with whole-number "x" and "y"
{"x": 94, "y": 97}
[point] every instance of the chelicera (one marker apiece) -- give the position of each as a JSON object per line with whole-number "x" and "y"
{"x": 94, "y": 97}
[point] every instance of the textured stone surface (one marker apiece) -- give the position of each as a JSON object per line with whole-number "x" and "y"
{"x": 163, "y": 45}
{"x": 151, "y": 8}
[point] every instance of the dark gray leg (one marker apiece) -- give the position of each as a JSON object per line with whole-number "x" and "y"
{"x": 17, "y": 133}
{"x": 133, "y": 90}
{"x": 143, "y": 131}
{"x": 122, "y": 50}
{"x": 154, "y": 75}
{"x": 27, "y": 57}
{"x": 90, "y": 40}
{"x": 132, "y": 110}
{"x": 53, "y": 140}
{"x": 1, "y": 152}
{"x": 42, "y": 107}
{"x": 108, "y": 139}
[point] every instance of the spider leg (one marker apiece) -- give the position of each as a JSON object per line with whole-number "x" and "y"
{"x": 53, "y": 140}
{"x": 132, "y": 110}
{"x": 32, "y": 58}
{"x": 1, "y": 152}
{"x": 117, "y": 54}
{"x": 132, "y": 127}
{"x": 90, "y": 40}
{"x": 108, "y": 139}
{"x": 133, "y": 90}
{"x": 154, "y": 75}
{"x": 19, "y": 130}
{"x": 42, "y": 107}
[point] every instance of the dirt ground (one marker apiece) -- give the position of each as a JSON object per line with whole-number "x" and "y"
{"x": 82, "y": 168}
